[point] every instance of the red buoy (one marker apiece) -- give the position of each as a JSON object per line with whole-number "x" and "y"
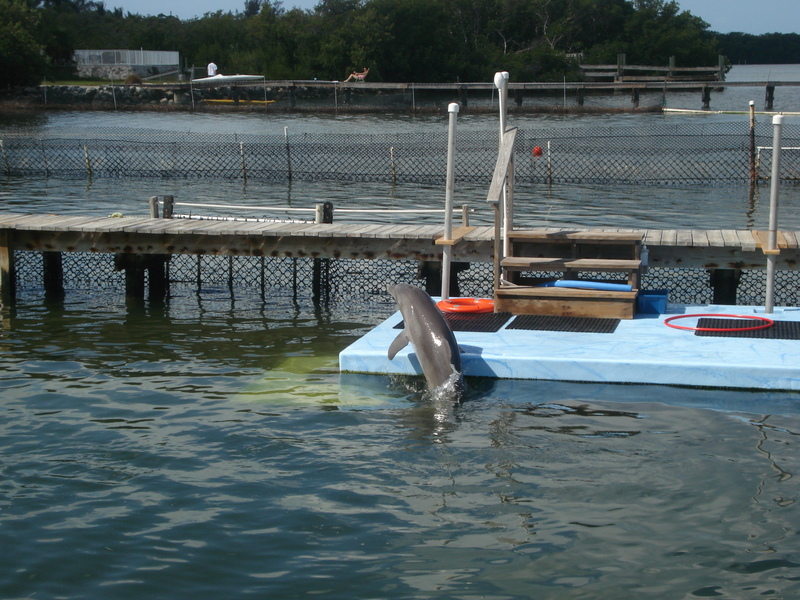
{"x": 537, "y": 151}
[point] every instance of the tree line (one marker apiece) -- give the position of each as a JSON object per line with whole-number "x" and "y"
{"x": 399, "y": 40}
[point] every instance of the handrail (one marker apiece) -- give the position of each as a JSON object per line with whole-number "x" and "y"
{"x": 323, "y": 211}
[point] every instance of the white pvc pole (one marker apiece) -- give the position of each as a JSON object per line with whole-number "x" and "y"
{"x": 501, "y": 83}
{"x": 772, "y": 242}
{"x": 452, "y": 109}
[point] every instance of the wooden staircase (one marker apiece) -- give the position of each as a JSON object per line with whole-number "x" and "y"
{"x": 573, "y": 254}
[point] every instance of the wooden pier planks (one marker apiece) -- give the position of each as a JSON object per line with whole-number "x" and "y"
{"x": 686, "y": 248}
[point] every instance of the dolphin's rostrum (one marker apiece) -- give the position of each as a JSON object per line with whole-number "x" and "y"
{"x": 430, "y": 335}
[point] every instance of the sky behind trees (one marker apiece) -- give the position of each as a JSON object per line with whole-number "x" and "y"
{"x": 724, "y": 16}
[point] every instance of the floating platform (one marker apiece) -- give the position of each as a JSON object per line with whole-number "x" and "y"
{"x": 724, "y": 353}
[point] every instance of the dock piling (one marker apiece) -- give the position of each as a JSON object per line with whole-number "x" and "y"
{"x": 769, "y": 98}
{"x": 53, "y": 275}
{"x": 7, "y": 272}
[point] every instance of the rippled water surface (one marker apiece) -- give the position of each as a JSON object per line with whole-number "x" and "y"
{"x": 207, "y": 447}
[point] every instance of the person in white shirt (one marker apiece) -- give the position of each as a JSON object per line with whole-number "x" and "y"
{"x": 212, "y": 69}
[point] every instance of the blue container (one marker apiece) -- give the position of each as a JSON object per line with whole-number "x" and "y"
{"x": 652, "y": 302}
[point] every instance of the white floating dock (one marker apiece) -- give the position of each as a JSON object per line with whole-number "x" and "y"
{"x": 642, "y": 350}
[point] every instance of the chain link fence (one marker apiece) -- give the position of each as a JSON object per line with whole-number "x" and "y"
{"x": 657, "y": 154}
{"x": 354, "y": 280}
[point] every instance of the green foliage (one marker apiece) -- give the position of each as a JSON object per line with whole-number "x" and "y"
{"x": 769, "y": 48}
{"x": 24, "y": 61}
{"x": 398, "y": 40}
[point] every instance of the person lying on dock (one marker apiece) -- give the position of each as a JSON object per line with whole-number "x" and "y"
{"x": 354, "y": 76}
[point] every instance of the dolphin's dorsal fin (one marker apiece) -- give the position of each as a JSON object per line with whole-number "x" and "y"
{"x": 400, "y": 342}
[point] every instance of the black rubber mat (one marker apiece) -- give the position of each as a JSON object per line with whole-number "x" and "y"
{"x": 477, "y": 322}
{"x": 566, "y": 324}
{"x": 779, "y": 330}
{"x": 473, "y": 322}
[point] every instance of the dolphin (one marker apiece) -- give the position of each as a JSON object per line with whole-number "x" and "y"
{"x": 430, "y": 335}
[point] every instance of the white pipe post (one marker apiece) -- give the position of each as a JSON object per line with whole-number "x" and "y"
{"x": 452, "y": 109}
{"x": 772, "y": 242}
{"x": 501, "y": 83}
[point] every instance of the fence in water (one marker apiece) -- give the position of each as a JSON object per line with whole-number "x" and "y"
{"x": 349, "y": 281}
{"x": 657, "y": 154}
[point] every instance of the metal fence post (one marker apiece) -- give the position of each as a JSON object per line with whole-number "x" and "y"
{"x": 5, "y": 159}
{"x": 88, "y": 164}
{"x": 288, "y": 153}
{"x": 772, "y": 243}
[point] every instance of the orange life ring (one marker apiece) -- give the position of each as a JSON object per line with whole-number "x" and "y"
{"x": 466, "y": 305}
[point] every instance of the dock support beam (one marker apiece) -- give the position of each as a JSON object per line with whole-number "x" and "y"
{"x": 53, "y": 271}
{"x": 706, "y": 97}
{"x": 724, "y": 284}
{"x": 135, "y": 266}
{"x": 431, "y": 272}
{"x": 769, "y": 99}
{"x": 7, "y": 274}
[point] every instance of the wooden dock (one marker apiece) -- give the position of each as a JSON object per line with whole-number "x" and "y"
{"x": 519, "y": 90}
{"x": 143, "y": 237}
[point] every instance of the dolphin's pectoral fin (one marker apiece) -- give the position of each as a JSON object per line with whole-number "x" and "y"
{"x": 400, "y": 342}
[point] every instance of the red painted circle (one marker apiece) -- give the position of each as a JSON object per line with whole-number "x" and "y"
{"x": 765, "y": 322}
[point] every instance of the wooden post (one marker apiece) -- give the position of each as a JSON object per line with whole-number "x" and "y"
{"x": 156, "y": 265}
{"x": 462, "y": 95}
{"x": 169, "y": 206}
{"x": 153, "y": 207}
{"x": 292, "y": 96}
{"x": 244, "y": 166}
{"x": 320, "y": 284}
{"x": 133, "y": 266}
{"x": 44, "y": 160}
{"x": 5, "y": 159}
{"x": 581, "y": 95}
{"x": 323, "y": 212}
{"x": 518, "y": 96}
{"x": 620, "y": 65}
{"x": 724, "y": 283}
{"x": 770, "y": 97}
{"x": 672, "y": 65}
{"x": 88, "y": 164}
{"x": 288, "y": 153}
{"x": 394, "y": 166}
{"x": 7, "y": 273}
{"x": 53, "y": 271}
{"x": 706, "y": 97}
{"x": 635, "y": 97}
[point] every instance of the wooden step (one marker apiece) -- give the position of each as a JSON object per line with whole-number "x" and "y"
{"x": 526, "y": 263}
{"x": 565, "y": 302}
{"x": 592, "y": 237}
